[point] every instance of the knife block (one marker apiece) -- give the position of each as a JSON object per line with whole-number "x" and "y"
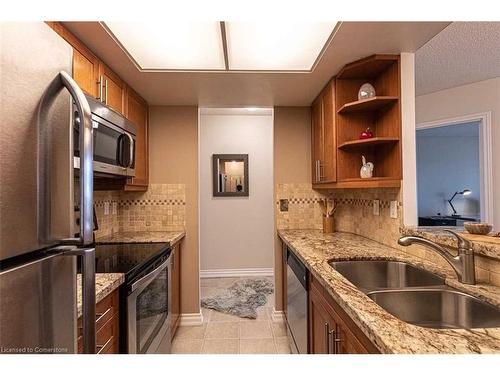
{"x": 328, "y": 224}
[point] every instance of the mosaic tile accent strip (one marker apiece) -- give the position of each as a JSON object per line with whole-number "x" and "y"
{"x": 341, "y": 201}
{"x": 154, "y": 202}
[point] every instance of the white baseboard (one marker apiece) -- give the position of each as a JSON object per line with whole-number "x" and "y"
{"x": 193, "y": 319}
{"x": 236, "y": 272}
{"x": 278, "y": 316}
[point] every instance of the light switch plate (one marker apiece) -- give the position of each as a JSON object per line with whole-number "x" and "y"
{"x": 115, "y": 208}
{"x": 394, "y": 209}
{"x": 106, "y": 208}
{"x": 376, "y": 207}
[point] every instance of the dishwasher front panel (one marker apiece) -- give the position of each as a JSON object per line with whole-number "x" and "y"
{"x": 297, "y": 304}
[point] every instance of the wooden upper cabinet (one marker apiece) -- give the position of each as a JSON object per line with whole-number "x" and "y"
{"x": 329, "y": 165}
{"x": 85, "y": 63}
{"x": 111, "y": 89}
{"x": 317, "y": 139}
{"x": 324, "y": 150}
{"x": 137, "y": 113}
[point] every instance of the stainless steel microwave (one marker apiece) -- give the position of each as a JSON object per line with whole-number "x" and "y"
{"x": 114, "y": 141}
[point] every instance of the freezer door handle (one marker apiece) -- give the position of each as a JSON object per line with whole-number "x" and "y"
{"x": 88, "y": 297}
{"x": 86, "y": 161}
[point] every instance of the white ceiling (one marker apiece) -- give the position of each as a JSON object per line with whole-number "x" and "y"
{"x": 352, "y": 41}
{"x": 463, "y": 53}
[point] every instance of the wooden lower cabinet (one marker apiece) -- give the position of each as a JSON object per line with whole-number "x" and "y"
{"x": 107, "y": 326}
{"x": 176, "y": 289}
{"x": 331, "y": 331}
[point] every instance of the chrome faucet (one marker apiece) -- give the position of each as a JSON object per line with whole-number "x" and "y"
{"x": 463, "y": 263}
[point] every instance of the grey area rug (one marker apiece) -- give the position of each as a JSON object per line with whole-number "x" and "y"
{"x": 242, "y": 298}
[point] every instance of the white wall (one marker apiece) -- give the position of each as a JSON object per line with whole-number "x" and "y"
{"x": 448, "y": 161}
{"x": 478, "y": 97}
{"x": 236, "y": 233}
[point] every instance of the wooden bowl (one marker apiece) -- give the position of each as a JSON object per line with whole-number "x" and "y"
{"x": 478, "y": 228}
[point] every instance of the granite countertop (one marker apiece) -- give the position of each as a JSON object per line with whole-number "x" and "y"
{"x": 105, "y": 283}
{"x": 487, "y": 245}
{"x": 172, "y": 237}
{"x": 389, "y": 334}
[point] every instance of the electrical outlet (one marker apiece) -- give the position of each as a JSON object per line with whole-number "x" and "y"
{"x": 115, "y": 208}
{"x": 283, "y": 205}
{"x": 376, "y": 207}
{"x": 106, "y": 208}
{"x": 394, "y": 209}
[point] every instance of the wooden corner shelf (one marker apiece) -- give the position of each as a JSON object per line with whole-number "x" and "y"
{"x": 368, "y": 142}
{"x": 371, "y": 104}
{"x": 369, "y": 67}
{"x": 361, "y": 183}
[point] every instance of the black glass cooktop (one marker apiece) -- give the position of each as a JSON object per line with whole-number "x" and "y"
{"x": 127, "y": 258}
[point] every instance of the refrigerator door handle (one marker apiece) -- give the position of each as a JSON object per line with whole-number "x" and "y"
{"x": 88, "y": 297}
{"x": 86, "y": 161}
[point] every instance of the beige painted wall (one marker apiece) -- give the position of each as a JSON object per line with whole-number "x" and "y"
{"x": 292, "y": 156}
{"x": 236, "y": 233}
{"x": 463, "y": 100}
{"x": 173, "y": 158}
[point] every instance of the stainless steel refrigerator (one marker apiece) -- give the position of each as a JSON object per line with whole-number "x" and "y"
{"x": 38, "y": 244}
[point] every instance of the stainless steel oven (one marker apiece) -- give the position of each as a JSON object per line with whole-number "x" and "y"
{"x": 114, "y": 141}
{"x": 148, "y": 313}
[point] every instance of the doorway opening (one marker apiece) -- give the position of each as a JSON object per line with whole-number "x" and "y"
{"x": 453, "y": 172}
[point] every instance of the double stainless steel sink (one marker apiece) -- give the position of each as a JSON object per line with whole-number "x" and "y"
{"x": 417, "y": 296}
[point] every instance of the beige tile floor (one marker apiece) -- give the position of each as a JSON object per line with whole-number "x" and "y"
{"x": 228, "y": 334}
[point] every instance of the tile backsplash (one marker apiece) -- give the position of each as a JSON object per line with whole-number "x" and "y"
{"x": 162, "y": 207}
{"x": 355, "y": 215}
{"x": 303, "y": 210}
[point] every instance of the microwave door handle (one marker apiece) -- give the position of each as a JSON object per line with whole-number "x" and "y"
{"x": 86, "y": 159}
{"x": 132, "y": 156}
{"x": 119, "y": 151}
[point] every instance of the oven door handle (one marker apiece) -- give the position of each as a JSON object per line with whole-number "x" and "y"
{"x": 146, "y": 279}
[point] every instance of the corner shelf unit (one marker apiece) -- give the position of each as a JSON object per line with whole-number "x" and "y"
{"x": 372, "y": 104}
{"x": 382, "y": 114}
{"x": 368, "y": 142}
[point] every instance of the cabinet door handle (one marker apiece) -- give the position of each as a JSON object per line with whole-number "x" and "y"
{"x": 106, "y": 91}
{"x": 100, "y": 88}
{"x": 336, "y": 340}
{"x": 327, "y": 338}
{"x": 318, "y": 172}
{"x": 100, "y": 348}
{"x": 332, "y": 349}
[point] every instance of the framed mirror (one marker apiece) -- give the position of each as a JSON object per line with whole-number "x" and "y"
{"x": 230, "y": 175}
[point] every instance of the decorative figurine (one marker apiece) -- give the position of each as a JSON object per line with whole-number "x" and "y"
{"x": 366, "y": 169}
{"x": 366, "y": 91}
{"x": 366, "y": 134}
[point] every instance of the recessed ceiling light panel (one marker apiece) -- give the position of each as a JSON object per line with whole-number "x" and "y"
{"x": 171, "y": 45}
{"x": 275, "y": 45}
